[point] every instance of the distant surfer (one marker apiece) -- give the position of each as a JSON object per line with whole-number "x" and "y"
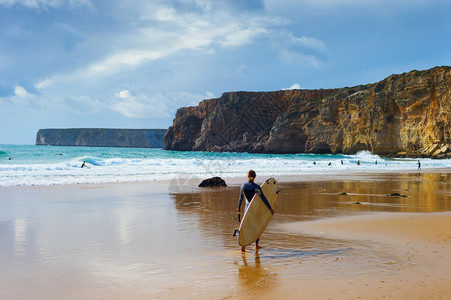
{"x": 419, "y": 165}
{"x": 247, "y": 191}
{"x": 83, "y": 164}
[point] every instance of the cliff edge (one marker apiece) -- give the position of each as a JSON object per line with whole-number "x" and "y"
{"x": 99, "y": 137}
{"x": 403, "y": 115}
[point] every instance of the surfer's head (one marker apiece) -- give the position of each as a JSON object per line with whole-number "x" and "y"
{"x": 251, "y": 175}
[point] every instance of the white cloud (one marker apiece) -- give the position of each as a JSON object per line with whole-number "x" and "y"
{"x": 136, "y": 106}
{"x": 154, "y": 33}
{"x": 21, "y": 98}
{"x": 165, "y": 14}
{"x": 53, "y": 100}
{"x": 237, "y": 35}
{"x": 20, "y": 91}
{"x": 42, "y": 84}
{"x": 153, "y": 105}
{"x": 43, "y": 4}
{"x": 295, "y": 86}
{"x": 176, "y": 33}
{"x": 332, "y": 5}
{"x": 116, "y": 62}
{"x": 124, "y": 94}
{"x": 300, "y": 50}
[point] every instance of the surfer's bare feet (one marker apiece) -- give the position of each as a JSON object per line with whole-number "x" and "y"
{"x": 243, "y": 249}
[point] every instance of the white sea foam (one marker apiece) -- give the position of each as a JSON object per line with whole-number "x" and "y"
{"x": 63, "y": 165}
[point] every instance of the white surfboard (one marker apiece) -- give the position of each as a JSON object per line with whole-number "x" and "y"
{"x": 257, "y": 215}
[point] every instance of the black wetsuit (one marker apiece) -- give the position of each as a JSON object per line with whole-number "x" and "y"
{"x": 248, "y": 190}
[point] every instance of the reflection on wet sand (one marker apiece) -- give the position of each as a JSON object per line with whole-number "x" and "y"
{"x": 256, "y": 269}
{"x": 251, "y": 272}
{"x": 425, "y": 193}
{"x": 126, "y": 241}
{"x": 215, "y": 208}
{"x": 213, "y": 212}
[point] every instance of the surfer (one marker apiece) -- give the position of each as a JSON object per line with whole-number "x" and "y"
{"x": 248, "y": 190}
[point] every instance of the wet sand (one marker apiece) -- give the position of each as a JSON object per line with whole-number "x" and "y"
{"x": 172, "y": 240}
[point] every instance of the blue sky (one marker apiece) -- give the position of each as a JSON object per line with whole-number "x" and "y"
{"x": 132, "y": 63}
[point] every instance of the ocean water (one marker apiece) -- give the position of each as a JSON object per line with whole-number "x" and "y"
{"x": 30, "y": 165}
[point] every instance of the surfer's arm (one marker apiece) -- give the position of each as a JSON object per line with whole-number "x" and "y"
{"x": 260, "y": 192}
{"x": 240, "y": 200}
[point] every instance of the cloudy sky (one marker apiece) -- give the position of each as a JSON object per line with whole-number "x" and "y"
{"x": 132, "y": 63}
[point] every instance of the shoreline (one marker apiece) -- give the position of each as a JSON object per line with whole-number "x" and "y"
{"x": 234, "y": 181}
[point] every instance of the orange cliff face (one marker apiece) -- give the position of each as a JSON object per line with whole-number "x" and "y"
{"x": 402, "y": 115}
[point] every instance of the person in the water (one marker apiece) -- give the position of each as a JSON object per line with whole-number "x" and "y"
{"x": 247, "y": 191}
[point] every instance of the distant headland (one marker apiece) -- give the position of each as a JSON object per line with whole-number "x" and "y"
{"x": 101, "y": 137}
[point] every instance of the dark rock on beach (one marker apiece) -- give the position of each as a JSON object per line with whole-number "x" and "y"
{"x": 213, "y": 182}
{"x": 396, "y": 195}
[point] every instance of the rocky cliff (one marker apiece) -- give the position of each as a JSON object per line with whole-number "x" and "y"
{"x": 98, "y": 137}
{"x": 402, "y": 115}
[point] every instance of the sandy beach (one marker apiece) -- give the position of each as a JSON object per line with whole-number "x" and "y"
{"x": 331, "y": 238}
